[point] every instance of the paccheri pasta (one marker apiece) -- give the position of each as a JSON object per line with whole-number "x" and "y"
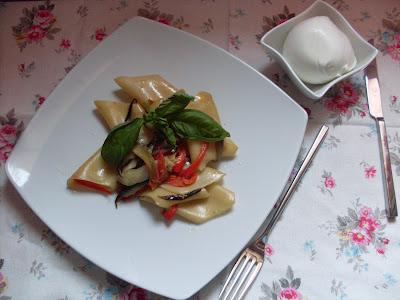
{"x": 159, "y": 150}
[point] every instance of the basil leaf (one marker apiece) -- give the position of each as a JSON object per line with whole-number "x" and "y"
{"x": 169, "y": 135}
{"x": 196, "y": 125}
{"x": 161, "y": 124}
{"x": 120, "y": 141}
{"x": 173, "y": 104}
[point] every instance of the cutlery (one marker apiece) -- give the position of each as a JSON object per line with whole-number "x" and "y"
{"x": 375, "y": 110}
{"x": 252, "y": 258}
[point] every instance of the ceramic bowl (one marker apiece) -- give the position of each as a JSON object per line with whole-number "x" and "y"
{"x": 274, "y": 39}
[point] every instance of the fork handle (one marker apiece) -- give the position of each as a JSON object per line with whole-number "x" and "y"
{"x": 390, "y": 196}
{"x": 281, "y": 203}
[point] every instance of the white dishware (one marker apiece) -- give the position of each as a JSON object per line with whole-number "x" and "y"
{"x": 274, "y": 39}
{"x": 133, "y": 242}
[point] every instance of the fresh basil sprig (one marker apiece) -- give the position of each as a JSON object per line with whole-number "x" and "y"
{"x": 171, "y": 119}
{"x": 196, "y": 125}
{"x": 120, "y": 141}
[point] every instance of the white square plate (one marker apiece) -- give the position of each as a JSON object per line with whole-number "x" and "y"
{"x": 133, "y": 242}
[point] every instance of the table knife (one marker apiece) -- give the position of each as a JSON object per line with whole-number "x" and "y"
{"x": 375, "y": 110}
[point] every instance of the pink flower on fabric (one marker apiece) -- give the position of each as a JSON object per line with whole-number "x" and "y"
{"x": 133, "y": 293}
{"x": 290, "y": 294}
{"x": 21, "y": 68}
{"x": 330, "y": 182}
{"x": 394, "y": 99}
{"x": 268, "y": 250}
{"x": 380, "y": 250}
{"x": 370, "y": 172}
{"x": 360, "y": 236}
{"x": 397, "y": 37}
{"x": 362, "y": 114}
{"x": 35, "y": 33}
{"x": 365, "y": 211}
{"x": 369, "y": 224}
{"x": 385, "y": 241}
{"x": 8, "y": 130}
{"x": 65, "y": 44}
{"x": 43, "y": 18}
{"x": 394, "y": 51}
{"x": 100, "y": 34}
{"x": 5, "y": 151}
{"x": 164, "y": 21}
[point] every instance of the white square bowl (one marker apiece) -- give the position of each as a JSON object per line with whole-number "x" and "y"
{"x": 274, "y": 39}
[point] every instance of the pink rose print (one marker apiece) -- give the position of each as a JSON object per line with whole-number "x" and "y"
{"x": 368, "y": 223}
{"x": 360, "y": 236}
{"x": 164, "y": 21}
{"x": 346, "y": 97}
{"x": 380, "y": 250}
{"x": 35, "y": 34}
{"x": 394, "y": 99}
{"x": 397, "y": 37}
{"x": 286, "y": 288}
{"x": 344, "y": 101}
{"x": 151, "y": 10}
{"x": 133, "y": 293}
{"x": 35, "y": 24}
{"x": 365, "y": 211}
{"x": 25, "y": 71}
{"x": 8, "y": 130}
{"x": 394, "y": 51}
{"x": 65, "y": 44}
{"x": 99, "y": 34}
{"x": 269, "y": 251}
{"x": 370, "y": 172}
{"x": 39, "y": 100}
{"x": 44, "y": 18}
{"x": 290, "y": 294}
{"x": 330, "y": 182}
{"x": 275, "y": 20}
{"x": 360, "y": 229}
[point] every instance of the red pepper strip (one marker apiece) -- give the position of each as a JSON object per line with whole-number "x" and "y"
{"x": 170, "y": 212}
{"x": 180, "y": 160}
{"x": 192, "y": 169}
{"x": 93, "y": 185}
{"x": 181, "y": 181}
{"x": 161, "y": 171}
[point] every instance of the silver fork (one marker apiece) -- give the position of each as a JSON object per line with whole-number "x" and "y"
{"x": 250, "y": 261}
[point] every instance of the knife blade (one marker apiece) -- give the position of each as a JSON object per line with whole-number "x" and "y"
{"x": 375, "y": 110}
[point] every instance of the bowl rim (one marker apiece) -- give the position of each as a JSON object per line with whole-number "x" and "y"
{"x": 302, "y": 86}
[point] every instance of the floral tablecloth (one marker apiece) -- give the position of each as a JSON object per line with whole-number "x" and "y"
{"x": 333, "y": 242}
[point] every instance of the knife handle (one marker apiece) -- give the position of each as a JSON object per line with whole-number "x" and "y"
{"x": 390, "y": 196}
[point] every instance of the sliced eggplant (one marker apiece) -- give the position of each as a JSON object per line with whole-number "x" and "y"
{"x": 205, "y": 178}
{"x": 129, "y": 192}
{"x": 157, "y": 197}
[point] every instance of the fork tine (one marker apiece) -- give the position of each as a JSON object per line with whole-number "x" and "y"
{"x": 251, "y": 279}
{"x": 237, "y": 275}
{"x": 244, "y": 276}
{"x": 231, "y": 274}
